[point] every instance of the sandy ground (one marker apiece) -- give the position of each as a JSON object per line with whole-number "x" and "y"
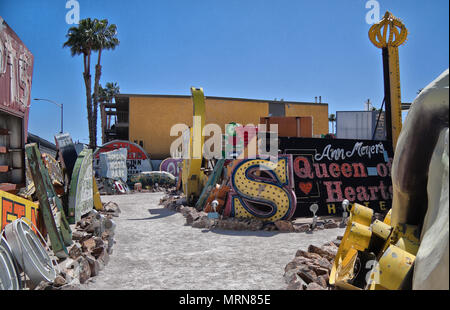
{"x": 155, "y": 250}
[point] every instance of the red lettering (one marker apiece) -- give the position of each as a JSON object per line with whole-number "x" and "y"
{"x": 359, "y": 171}
{"x": 304, "y": 172}
{"x": 334, "y": 170}
{"x": 382, "y": 170}
{"x": 349, "y": 193}
{"x": 362, "y": 193}
{"x": 324, "y": 173}
{"x": 373, "y": 190}
{"x": 332, "y": 191}
{"x": 346, "y": 170}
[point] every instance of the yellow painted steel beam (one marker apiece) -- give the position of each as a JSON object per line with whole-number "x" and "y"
{"x": 192, "y": 176}
{"x": 388, "y": 34}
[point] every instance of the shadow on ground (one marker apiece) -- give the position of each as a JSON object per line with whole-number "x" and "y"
{"x": 161, "y": 213}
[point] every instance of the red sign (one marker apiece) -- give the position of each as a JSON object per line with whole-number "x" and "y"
{"x": 137, "y": 158}
{"x": 16, "y": 70}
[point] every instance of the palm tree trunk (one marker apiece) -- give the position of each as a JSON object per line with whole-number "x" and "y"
{"x": 87, "y": 82}
{"x": 98, "y": 73}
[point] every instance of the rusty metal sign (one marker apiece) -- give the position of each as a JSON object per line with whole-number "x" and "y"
{"x": 50, "y": 205}
{"x": 81, "y": 198}
{"x": 67, "y": 152}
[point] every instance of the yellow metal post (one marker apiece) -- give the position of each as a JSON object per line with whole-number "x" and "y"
{"x": 389, "y": 34}
{"x": 192, "y": 176}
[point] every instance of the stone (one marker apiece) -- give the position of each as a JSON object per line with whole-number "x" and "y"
{"x": 319, "y": 270}
{"x": 322, "y": 252}
{"x": 191, "y": 216}
{"x": 331, "y": 225}
{"x": 255, "y": 224}
{"x": 313, "y": 286}
{"x": 307, "y": 254}
{"x": 180, "y": 208}
{"x": 301, "y": 228}
{"x": 59, "y": 281}
{"x": 270, "y": 227}
{"x": 78, "y": 235}
{"x": 324, "y": 263}
{"x": 88, "y": 245}
{"x": 94, "y": 265}
{"x": 75, "y": 251}
{"x": 321, "y": 281}
{"x": 70, "y": 287}
{"x": 306, "y": 274}
{"x": 112, "y": 208}
{"x": 296, "y": 284}
{"x": 291, "y": 274}
{"x": 85, "y": 270}
{"x": 203, "y": 222}
{"x": 284, "y": 226}
{"x": 98, "y": 241}
{"x": 331, "y": 250}
{"x": 44, "y": 285}
{"x": 337, "y": 242}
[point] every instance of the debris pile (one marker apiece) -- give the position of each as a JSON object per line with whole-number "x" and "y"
{"x": 93, "y": 238}
{"x": 201, "y": 219}
{"x": 56, "y": 232}
{"x": 310, "y": 270}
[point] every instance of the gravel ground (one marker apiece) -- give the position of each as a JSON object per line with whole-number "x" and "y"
{"x": 155, "y": 250}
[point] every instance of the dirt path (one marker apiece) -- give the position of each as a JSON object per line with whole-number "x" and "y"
{"x": 155, "y": 250}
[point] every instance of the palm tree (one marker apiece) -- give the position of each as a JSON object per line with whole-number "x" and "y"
{"x": 89, "y": 36}
{"x": 332, "y": 119}
{"x": 106, "y": 95}
{"x": 106, "y": 39}
{"x": 81, "y": 41}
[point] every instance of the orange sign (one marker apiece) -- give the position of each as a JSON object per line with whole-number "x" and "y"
{"x": 13, "y": 207}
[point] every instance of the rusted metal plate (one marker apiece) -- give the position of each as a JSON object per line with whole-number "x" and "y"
{"x": 54, "y": 169}
{"x": 81, "y": 197}
{"x": 50, "y": 205}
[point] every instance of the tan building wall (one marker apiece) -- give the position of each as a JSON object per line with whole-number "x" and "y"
{"x": 318, "y": 112}
{"x": 151, "y": 117}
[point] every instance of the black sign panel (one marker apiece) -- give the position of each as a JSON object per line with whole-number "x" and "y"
{"x": 327, "y": 171}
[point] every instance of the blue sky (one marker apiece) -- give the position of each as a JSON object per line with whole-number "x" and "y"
{"x": 259, "y": 49}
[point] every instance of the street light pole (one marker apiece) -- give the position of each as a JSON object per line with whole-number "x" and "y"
{"x": 58, "y": 104}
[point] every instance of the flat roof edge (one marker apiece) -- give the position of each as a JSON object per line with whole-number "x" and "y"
{"x": 220, "y": 98}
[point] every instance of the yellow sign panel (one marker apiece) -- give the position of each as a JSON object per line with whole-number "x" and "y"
{"x": 192, "y": 176}
{"x": 13, "y": 207}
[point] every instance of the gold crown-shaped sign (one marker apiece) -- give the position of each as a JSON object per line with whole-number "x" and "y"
{"x": 389, "y": 31}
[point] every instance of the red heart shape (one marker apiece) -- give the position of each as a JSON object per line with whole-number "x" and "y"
{"x": 305, "y": 187}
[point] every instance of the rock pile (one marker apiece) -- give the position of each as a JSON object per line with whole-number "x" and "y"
{"x": 310, "y": 270}
{"x": 200, "y": 219}
{"x": 93, "y": 239}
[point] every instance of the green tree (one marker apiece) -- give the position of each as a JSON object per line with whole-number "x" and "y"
{"x": 332, "y": 119}
{"x": 106, "y": 96}
{"x": 91, "y": 35}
